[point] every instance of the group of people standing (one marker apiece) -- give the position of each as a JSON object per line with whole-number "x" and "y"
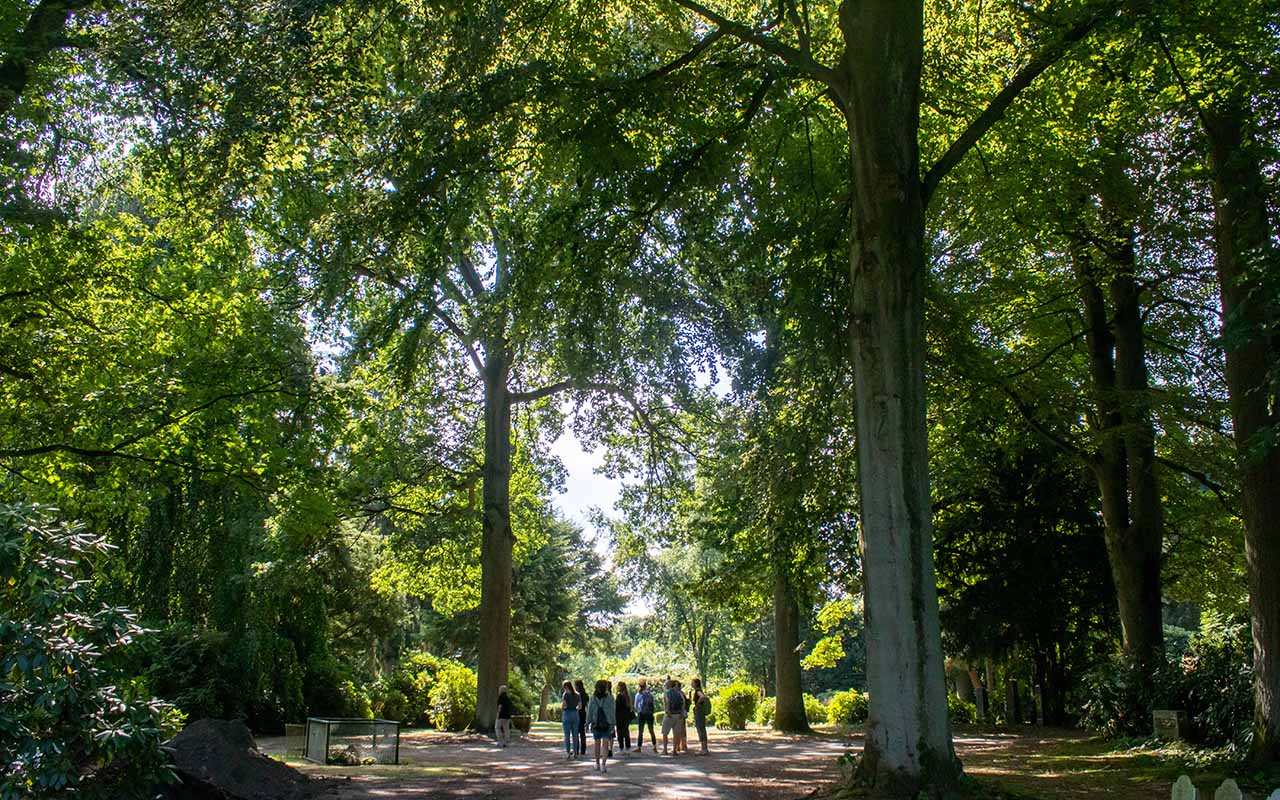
{"x": 608, "y": 715}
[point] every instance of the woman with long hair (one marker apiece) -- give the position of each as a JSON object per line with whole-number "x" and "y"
{"x": 582, "y": 716}
{"x": 569, "y": 720}
{"x": 602, "y": 714}
{"x": 622, "y": 706}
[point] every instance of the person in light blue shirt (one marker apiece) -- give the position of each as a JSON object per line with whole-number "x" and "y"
{"x": 644, "y": 706}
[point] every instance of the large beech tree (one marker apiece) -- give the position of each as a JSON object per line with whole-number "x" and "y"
{"x": 1221, "y": 67}
{"x": 873, "y": 54}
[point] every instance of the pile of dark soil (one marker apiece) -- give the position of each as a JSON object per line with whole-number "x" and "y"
{"x": 218, "y": 760}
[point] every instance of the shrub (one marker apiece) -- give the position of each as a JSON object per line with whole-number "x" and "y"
{"x": 961, "y": 711}
{"x": 405, "y": 694}
{"x": 814, "y": 711}
{"x": 847, "y": 708}
{"x": 735, "y": 704}
{"x": 453, "y": 697}
{"x": 73, "y": 722}
{"x": 188, "y": 666}
{"x": 1119, "y": 702}
{"x": 523, "y": 699}
{"x": 1212, "y": 682}
{"x": 765, "y": 711}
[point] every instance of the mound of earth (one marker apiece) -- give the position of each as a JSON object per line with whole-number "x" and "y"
{"x": 217, "y": 760}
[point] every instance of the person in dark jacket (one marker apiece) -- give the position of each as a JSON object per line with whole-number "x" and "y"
{"x": 622, "y": 708}
{"x": 502, "y": 727}
{"x": 582, "y": 716}
{"x": 701, "y": 706}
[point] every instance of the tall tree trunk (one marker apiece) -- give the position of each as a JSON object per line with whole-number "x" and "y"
{"x": 908, "y": 741}
{"x": 1244, "y": 256}
{"x": 789, "y": 715}
{"x": 1124, "y": 465}
{"x": 497, "y": 540}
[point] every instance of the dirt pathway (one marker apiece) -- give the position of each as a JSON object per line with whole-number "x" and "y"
{"x": 753, "y": 765}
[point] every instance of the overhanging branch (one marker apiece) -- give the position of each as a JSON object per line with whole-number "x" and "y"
{"x": 788, "y": 54}
{"x": 999, "y": 104}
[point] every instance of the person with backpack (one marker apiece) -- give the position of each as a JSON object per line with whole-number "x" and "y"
{"x": 622, "y": 707}
{"x": 644, "y": 716}
{"x": 701, "y": 710}
{"x": 602, "y": 713}
{"x": 582, "y": 716}
{"x": 672, "y": 715}
{"x": 569, "y": 720}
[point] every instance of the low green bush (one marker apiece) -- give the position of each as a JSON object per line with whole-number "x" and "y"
{"x": 847, "y": 708}
{"x": 766, "y": 709}
{"x": 735, "y": 704}
{"x": 453, "y": 697}
{"x": 814, "y": 711}
{"x": 405, "y": 694}
{"x": 961, "y": 711}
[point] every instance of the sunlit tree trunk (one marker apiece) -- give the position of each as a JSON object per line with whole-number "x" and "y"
{"x": 788, "y": 694}
{"x": 908, "y": 741}
{"x": 1246, "y": 262}
{"x": 497, "y": 540}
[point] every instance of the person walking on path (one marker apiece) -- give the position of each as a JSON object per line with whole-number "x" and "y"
{"x": 672, "y": 716}
{"x": 582, "y": 716}
{"x": 701, "y": 708}
{"x": 644, "y": 716}
{"x": 502, "y": 727}
{"x": 602, "y": 714}
{"x": 569, "y": 720}
{"x": 622, "y": 705}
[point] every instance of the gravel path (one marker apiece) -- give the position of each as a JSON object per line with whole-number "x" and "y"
{"x": 751, "y": 765}
{"x": 741, "y": 766}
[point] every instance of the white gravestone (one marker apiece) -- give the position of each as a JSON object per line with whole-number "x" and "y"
{"x": 1228, "y": 791}
{"x": 1184, "y": 789}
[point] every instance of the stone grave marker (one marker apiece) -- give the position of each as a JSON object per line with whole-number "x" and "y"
{"x": 1228, "y": 791}
{"x": 1171, "y": 726}
{"x": 1184, "y": 789}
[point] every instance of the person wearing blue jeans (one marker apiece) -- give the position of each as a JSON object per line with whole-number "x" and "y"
{"x": 569, "y": 719}
{"x": 644, "y": 716}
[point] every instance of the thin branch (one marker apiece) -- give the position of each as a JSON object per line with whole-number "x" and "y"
{"x": 1061, "y": 442}
{"x": 999, "y": 104}
{"x": 1204, "y": 480}
{"x": 698, "y": 49}
{"x": 539, "y": 393}
{"x": 788, "y": 54}
{"x": 439, "y": 313}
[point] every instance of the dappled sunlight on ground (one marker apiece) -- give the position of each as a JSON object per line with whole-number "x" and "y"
{"x": 750, "y": 765}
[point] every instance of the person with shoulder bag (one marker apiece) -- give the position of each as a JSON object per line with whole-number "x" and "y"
{"x": 701, "y": 710}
